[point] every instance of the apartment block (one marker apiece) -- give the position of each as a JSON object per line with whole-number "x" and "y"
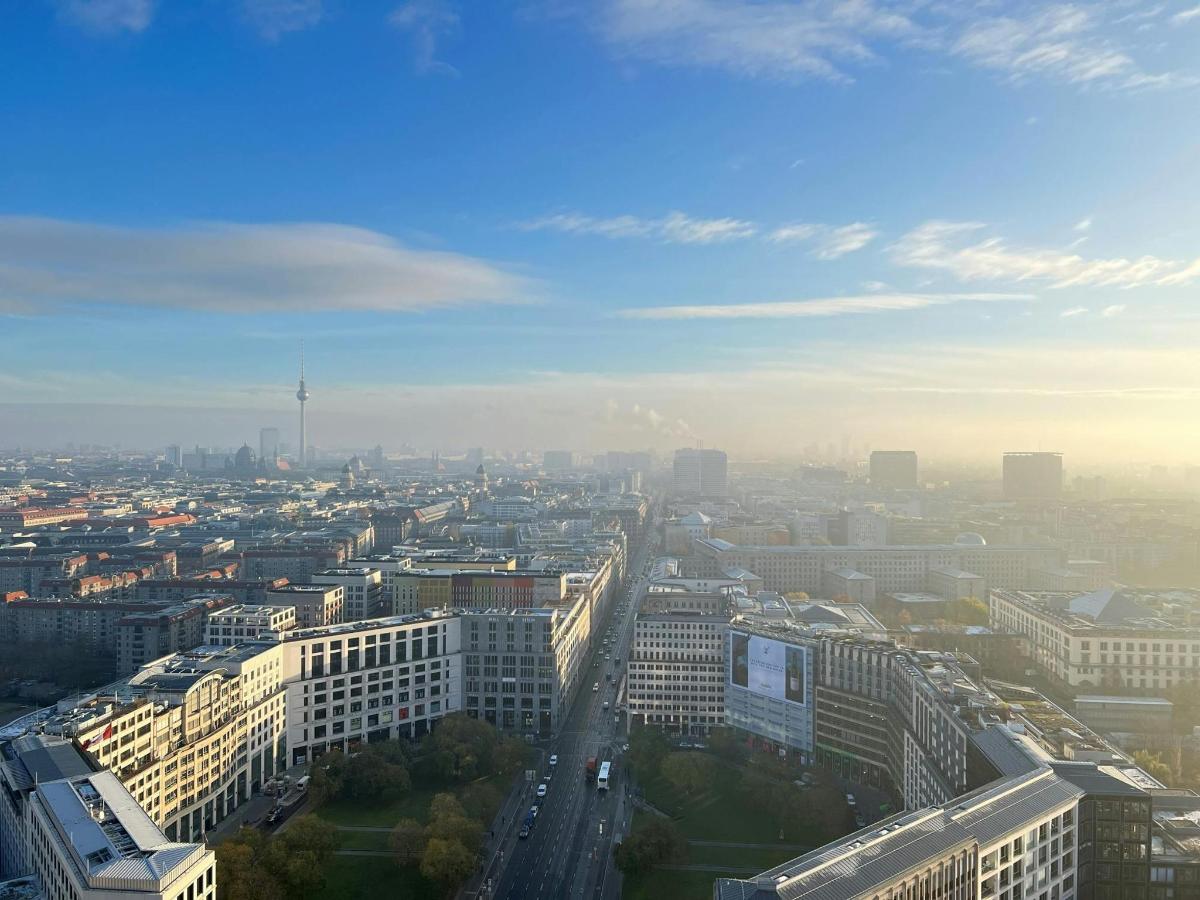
{"x": 362, "y": 591}
{"x": 316, "y": 605}
{"x": 241, "y": 623}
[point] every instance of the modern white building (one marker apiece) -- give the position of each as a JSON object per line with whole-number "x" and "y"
{"x": 701, "y": 472}
{"x": 373, "y": 680}
{"x": 245, "y": 622}
{"x": 676, "y": 673}
{"x": 362, "y": 591}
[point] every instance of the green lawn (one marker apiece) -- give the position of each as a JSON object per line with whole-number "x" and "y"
{"x": 374, "y": 878}
{"x": 664, "y": 884}
{"x": 414, "y": 805}
{"x": 722, "y": 812}
{"x": 364, "y": 840}
{"x": 760, "y": 859}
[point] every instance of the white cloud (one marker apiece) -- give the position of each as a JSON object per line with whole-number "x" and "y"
{"x": 942, "y": 245}
{"x": 1112, "y": 310}
{"x": 275, "y": 18}
{"x": 825, "y": 306}
{"x": 1072, "y": 312}
{"x": 1065, "y": 42}
{"x": 1072, "y": 43}
{"x": 108, "y": 16}
{"x": 1084, "y": 224}
{"x": 1185, "y": 15}
{"x": 674, "y": 228}
{"x": 223, "y": 267}
{"x": 797, "y": 231}
{"x": 840, "y": 241}
{"x": 428, "y": 22}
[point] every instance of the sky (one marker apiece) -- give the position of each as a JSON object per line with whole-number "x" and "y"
{"x": 960, "y": 227}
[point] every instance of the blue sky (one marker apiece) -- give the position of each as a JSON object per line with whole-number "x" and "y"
{"x": 960, "y": 227}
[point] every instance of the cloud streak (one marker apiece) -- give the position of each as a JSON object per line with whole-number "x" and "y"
{"x": 822, "y": 307}
{"x": 275, "y": 18}
{"x": 947, "y": 247}
{"x": 108, "y": 16}
{"x": 227, "y": 268}
{"x": 673, "y": 228}
{"x": 831, "y": 41}
{"x": 428, "y": 22}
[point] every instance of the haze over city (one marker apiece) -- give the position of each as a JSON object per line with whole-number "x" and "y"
{"x": 600, "y": 450}
{"x": 737, "y": 222}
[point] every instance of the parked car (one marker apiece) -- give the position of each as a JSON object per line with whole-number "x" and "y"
{"x": 595, "y": 687}
{"x": 850, "y": 801}
{"x": 554, "y": 759}
{"x": 524, "y": 832}
{"x": 541, "y": 790}
{"x": 860, "y": 820}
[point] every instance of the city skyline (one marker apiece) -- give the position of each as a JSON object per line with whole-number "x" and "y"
{"x": 653, "y": 228}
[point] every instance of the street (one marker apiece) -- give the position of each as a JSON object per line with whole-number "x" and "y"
{"x": 569, "y": 850}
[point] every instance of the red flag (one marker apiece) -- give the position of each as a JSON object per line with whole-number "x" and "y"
{"x": 86, "y": 744}
{"x": 108, "y": 732}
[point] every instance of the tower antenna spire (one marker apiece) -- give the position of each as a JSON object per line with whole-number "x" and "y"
{"x": 302, "y": 395}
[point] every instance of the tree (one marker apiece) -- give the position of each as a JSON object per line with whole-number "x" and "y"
{"x": 462, "y": 748}
{"x": 448, "y": 821}
{"x": 447, "y": 862}
{"x": 240, "y": 875}
{"x": 654, "y": 843}
{"x": 481, "y": 800}
{"x": 371, "y": 776}
{"x": 725, "y": 744}
{"x": 1153, "y": 765}
{"x": 688, "y": 772}
{"x": 510, "y": 755}
{"x": 408, "y": 841}
{"x": 647, "y": 747}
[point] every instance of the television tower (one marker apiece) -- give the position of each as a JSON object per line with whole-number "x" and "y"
{"x": 302, "y": 396}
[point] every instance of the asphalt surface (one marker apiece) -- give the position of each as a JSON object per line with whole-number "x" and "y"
{"x": 568, "y": 854}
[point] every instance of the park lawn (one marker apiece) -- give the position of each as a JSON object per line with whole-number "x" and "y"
{"x": 364, "y": 840}
{"x": 413, "y": 805}
{"x": 668, "y": 884}
{"x": 374, "y": 878}
{"x": 757, "y": 858}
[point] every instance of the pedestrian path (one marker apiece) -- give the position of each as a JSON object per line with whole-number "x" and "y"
{"x": 791, "y": 848}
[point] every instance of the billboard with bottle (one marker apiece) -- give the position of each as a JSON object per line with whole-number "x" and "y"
{"x": 768, "y": 667}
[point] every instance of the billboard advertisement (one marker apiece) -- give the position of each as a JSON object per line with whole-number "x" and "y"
{"x": 768, "y": 667}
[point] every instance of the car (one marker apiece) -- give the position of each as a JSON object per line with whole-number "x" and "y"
{"x": 549, "y": 774}
{"x": 850, "y": 801}
{"x": 595, "y": 687}
{"x": 554, "y": 759}
{"x": 608, "y": 656}
{"x": 606, "y": 704}
{"x": 524, "y": 832}
{"x": 541, "y": 791}
{"x": 860, "y": 820}
{"x": 624, "y": 748}
{"x": 274, "y": 815}
{"x": 534, "y": 810}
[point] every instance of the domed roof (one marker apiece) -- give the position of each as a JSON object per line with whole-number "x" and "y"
{"x": 971, "y": 539}
{"x": 244, "y": 457}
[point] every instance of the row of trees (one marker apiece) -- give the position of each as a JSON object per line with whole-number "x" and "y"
{"x": 655, "y": 843}
{"x": 252, "y": 865}
{"x": 458, "y": 751}
{"x": 445, "y": 848}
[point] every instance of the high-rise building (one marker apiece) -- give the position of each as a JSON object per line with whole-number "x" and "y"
{"x": 302, "y": 395}
{"x": 268, "y": 446}
{"x": 558, "y": 460}
{"x": 1032, "y": 476}
{"x": 702, "y": 472}
{"x": 894, "y": 468}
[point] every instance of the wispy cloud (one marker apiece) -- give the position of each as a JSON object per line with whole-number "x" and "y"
{"x": 1084, "y": 224}
{"x": 674, "y": 228}
{"x": 1114, "y": 309}
{"x": 822, "y": 307}
{"x": 946, "y": 246}
{"x": 1186, "y": 15}
{"x": 840, "y": 241}
{"x": 108, "y": 16}
{"x": 228, "y": 268}
{"x": 1072, "y": 43}
{"x": 275, "y": 18}
{"x": 830, "y": 242}
{"x": 1064, "y": 42}
{"x": 1072, "y": 312}
{"x": 428, "y": 22}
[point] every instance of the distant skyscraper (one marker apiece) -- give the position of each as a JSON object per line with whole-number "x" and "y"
{"x": 703, "y": 472}
{"x": 1032, "y": 476}
{"x": 894, "y": 468}
{"x": 268, "y": 445}
{"x": 302, "y": 395}
{"x": 174, "y": 455}
{"x": 558, "y": 460}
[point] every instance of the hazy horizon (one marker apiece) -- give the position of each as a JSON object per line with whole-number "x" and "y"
{"x": 750, "y": 223}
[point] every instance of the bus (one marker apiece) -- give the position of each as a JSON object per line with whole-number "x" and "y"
{"x": 602, "y": 778}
